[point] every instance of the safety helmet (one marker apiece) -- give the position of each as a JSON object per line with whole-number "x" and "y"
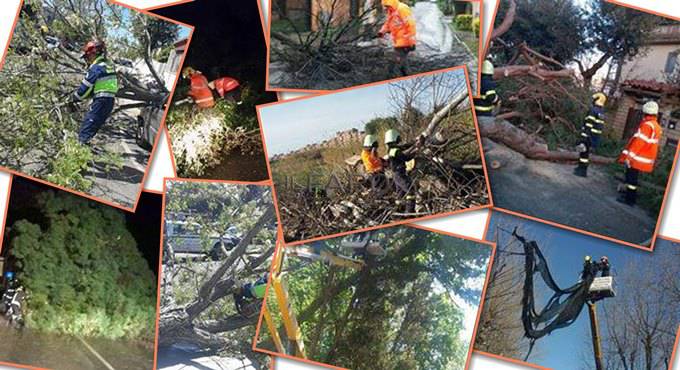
{"x": 651, "y": 108}
{"x": 188, "y": 71}
{"x": 487, "y": 67}
{"x": 94, "y": 48}
{"x": 587, "y": 258}
{"x": 599, "y": 99}
{"x": 391, "y": 3}
{"x": 9, "y": 275}
{"x": 391, "y": 136}
{"x": 370, "y": 140}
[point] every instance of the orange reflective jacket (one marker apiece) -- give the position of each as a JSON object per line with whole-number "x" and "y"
{"x": 643, "y": 147}
{"x": 372, "y": 163}
{"x": 200, "y": 91}
{"x": 225, "y": 84}
{"x": 401, "y": 25}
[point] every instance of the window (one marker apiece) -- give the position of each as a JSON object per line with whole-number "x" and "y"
{"x": 671, "y": 62}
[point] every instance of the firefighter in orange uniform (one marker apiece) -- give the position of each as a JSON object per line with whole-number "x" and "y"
{"x": 200, "y": 90}
{"x": 402, "y": 26}
{"x": 641, "y": 152}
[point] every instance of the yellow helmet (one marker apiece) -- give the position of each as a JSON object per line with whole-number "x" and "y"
{"x": 188, "y": 71}
{"x": 651, "y": 108}
{"x": 487, "y": 67}
{"x": 599, "y": 99}
{"x": 391, "y": 3}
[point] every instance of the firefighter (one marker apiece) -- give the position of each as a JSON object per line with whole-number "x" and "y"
{"x": 373, "y": 164}
{"x": 397, "y": 161}
{"x": 100, "y": 83}
{"x": 402, "y": 26}
{"x": 487, "y": 103}
{"x": 227, "y": 88}
{"x": 641, "y": 152}
{"x": 200, "y": 91}
{"x": 590, "y": 133}
{"x": 248, "y": 294}
{"x": 604, "y": 267}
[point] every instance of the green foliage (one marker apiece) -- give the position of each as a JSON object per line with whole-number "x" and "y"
{"x": 543, "y": 24}
{"x": 476, "y": 24}
{"x": 68, "y": 168}
{"x": 154, "y": 32}
{"x": 463, "y": 22}
{"x": 396, "y": 313}
{"x": 83, "y": 272}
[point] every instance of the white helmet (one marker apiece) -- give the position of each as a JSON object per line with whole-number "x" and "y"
{"x": 370, "y": 140}
{"x": 651, "y": 108}
{"x": 487, "y": 67}
{"x": 391, "y": 136}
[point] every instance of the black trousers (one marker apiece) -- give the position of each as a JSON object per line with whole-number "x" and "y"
{"x": 584, "y": 157}
{"x": 632, "y": 182}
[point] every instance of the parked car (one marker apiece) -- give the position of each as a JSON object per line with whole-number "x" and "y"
{"x": 185, "y": 237}
{"x": 148, "y": 125}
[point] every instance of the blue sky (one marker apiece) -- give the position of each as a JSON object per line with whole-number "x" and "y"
{"x": 292, "y": 125}
{"x": 568, "y": 348}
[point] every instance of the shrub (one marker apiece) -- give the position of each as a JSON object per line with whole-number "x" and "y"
{"x": 476, "y": 26}
{"x": 463, "y": 22}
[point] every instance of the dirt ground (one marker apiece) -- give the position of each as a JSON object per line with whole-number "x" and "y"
{"x": 550, "y": 191}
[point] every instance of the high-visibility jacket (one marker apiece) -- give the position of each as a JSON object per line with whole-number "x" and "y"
{"x": 643, "y": 147}
{"x": 488, "y": 99}
{"x": 101, "y": 81}
{"x": 372, "y": 163}
{"x": 401, "y": 25}
{"x": 225, "y": 84}
{"x": 593, "y": 125}
{"x": 200, "y": 91}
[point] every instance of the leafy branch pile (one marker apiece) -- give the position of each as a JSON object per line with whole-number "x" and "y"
{"x": 447, "y": 176}
{"x": 43, "y": 68}
{"x": 196, "y": 296}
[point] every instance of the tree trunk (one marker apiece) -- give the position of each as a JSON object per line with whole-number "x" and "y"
{"x": 519, "y": 140}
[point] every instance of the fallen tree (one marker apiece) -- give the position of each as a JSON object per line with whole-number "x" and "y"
{"x": 43, "y": 68}
{"x": 196, "y": 306}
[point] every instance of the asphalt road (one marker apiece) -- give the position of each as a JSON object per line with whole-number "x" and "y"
{"x": 117, "y": 136}
{"x": 551, "y": 192}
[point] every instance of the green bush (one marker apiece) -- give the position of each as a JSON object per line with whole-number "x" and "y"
{"x": 463, "y": 22}
{"x": 476, "y": 26}
{"x": 83, "y": 272}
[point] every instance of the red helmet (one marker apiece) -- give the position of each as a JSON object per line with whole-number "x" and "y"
{"x": 94, "y": 47}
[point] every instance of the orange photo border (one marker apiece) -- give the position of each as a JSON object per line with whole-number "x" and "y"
{"x": 655, "y": 234}
{"x": 2, "y": 240}
{"x": 280, "y": 248}
{"x": 155, "y": 144}
{"x": 160, "y": 255}
{"x": 535, "y": 366}
{"x": 400, "y": 222}
{"x": 267, "y": 37}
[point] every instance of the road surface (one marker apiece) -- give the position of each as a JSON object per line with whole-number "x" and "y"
{"x": 58, "y": 352}
{"x": 550, "y": 191}
{"x": 117, "y": 136}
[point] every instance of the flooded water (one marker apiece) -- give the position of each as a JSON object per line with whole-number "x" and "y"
{"x": 26, "y": 347}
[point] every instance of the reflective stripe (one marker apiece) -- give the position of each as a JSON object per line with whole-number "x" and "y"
{"x": 645, "y": 138}
{"x": 584, "y": 160}
{"x": 637, "y": 157}
{"x": 393, "y": 152}
{"x": 593, "y": 118}
{"x": 596, "y": 131}
{"x": 104, "y": 94}
{"x": 631, "y": 187}
{"x": 490, "y": 92}
{"x": 204, "y": 100}
{"x": 584, "y": 134}
{"x": 86, "y": 83}
{"x": 589, "y": 125}
{"x": 482, "y": 108}
{"x": 650, "y": 124}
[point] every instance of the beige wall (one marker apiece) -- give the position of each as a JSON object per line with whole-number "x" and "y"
{"x": 649, "y": 66}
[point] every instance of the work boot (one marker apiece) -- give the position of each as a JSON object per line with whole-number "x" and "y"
{"x": 628, "y": 198}
{"x": 581, "y": 171}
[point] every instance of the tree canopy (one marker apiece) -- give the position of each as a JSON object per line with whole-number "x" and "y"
{"x": 83, "y": 271}
{"x": 401, "y": 311}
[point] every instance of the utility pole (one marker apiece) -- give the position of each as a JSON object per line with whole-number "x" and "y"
{"x": 595, "y": 331}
